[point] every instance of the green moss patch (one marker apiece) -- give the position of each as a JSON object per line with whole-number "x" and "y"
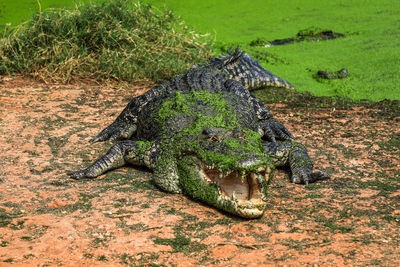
{"x": 181, "y": 243}
{"x": 207, "y": 110}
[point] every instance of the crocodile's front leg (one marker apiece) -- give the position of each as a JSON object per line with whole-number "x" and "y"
{"x": 294, "y": 156}
{"x": 166, "y": 173}
{"x": 127, "y": 151}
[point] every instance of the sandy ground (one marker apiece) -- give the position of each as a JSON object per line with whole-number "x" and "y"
{"x": 122, "y": 218}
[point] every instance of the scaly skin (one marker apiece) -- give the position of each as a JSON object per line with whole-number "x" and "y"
{"x": 241, "y": 67}
{"x": 236, "y": 66}
{"x": 206, "y": 136}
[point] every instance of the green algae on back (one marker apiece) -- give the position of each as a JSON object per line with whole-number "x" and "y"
{"x": 187, "y": 105}
{"x": 221, "y": 117}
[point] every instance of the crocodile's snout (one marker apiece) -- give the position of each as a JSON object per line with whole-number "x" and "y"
{"x": 243, "y": 188}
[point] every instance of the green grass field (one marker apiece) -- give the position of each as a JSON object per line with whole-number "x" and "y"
{"x": 370, "y": 51}
{"x": 14, "y": 12}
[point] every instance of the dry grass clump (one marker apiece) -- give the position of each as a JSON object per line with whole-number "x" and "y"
{"x": 117, "y": 40}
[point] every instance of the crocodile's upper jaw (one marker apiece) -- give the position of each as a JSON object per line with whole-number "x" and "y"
{"x": 243, "y": 188}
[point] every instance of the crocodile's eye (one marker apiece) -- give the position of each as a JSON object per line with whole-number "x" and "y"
{"x": 214, "y": 139}
{"x": 239, "y": 134}
{"x": 212, "y": 135}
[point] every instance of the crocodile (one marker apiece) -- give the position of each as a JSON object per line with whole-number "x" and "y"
{"x": 205, "y": 135}
{"x": 340, "y": 74}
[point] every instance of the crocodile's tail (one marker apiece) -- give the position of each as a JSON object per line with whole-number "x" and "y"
{"x": 241, "y": 67}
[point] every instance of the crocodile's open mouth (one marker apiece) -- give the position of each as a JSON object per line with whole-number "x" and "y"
{"x": 243, "y": 187}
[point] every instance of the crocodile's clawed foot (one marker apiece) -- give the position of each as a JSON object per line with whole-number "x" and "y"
{"x": 306, "y": 177}
{"x": 274, "y": 130}
{"x": 102, "y": 136}
{"x": 89, "y": 172}
{"x": 115, "y": 132}
{"x": 77, "y": 175}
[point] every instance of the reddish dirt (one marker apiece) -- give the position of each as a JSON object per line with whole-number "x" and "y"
{"x": 122, "y": 218}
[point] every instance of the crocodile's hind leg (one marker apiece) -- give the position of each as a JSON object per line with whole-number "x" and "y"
{"x": 122, "y": 128}
{"x": 269, "y": 128}
{"x": 294, "y": 156}
{"x": 125, "y": 124}
{"x": 127, "y": 151}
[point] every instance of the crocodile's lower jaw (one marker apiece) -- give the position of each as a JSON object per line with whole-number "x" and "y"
{"x": 246, "y": 208}
{"x": 240, "y": 187}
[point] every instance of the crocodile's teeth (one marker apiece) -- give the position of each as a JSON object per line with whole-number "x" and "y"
{"x": 245, "y": 203}
{"x": 253, "y": 177}
{"x": 261, "y": 169}
{"x": 204, "y": 176}
{"x": 234, "y": 197}
{"x": 228, "y": 173}
{"x": 268, "y": 171}
{"x": 261, "y": 178}
{"x": 225, "y": 197}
